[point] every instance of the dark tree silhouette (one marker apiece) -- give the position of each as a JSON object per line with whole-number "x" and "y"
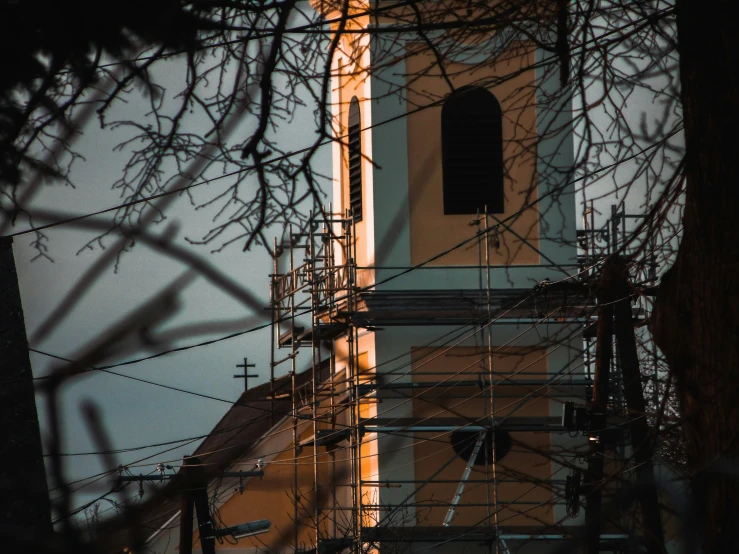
{"x": 247, "y": 67}
{"x": 697, "y": 309}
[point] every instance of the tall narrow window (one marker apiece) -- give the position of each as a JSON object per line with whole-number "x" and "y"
{"x": 355, "y": 160}
{"x": 472, "y": 152}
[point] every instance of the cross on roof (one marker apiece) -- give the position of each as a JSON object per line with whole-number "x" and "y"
{"x": 246, "y": 374}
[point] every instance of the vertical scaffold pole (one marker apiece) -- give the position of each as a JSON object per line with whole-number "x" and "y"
{"x": 491, "y": 377}
{"x": 274, "y": 303}
{"x": 352, "y": 383}
{"x": 330, "y": 293}
{"x": 314, "y": 275}
{"x": 293, "y": 382}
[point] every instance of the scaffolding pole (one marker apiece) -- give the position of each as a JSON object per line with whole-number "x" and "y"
{"x": 335, "y": 297}
{"x": 492, "y": 377}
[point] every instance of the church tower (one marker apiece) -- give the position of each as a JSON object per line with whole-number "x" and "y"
{"x": 448, "y": 403}
{"x": 453, "y": 161}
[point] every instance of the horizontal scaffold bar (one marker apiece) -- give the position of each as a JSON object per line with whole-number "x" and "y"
{"x": 557, "y": 387}
{"x": 386, "y": 482}
{"x": 433, "y": 425}
{"x": 473, "y": 534}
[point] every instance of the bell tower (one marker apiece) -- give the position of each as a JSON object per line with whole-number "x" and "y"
{"x": 453, "y": 161}
{"x": 425, "y": 142}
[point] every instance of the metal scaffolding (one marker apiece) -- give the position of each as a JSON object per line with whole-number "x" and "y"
{"x": 316, "y": 302}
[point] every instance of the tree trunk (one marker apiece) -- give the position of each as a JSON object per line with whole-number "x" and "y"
{"x": 696, "y": 320}
{"x": 25, "y": 510}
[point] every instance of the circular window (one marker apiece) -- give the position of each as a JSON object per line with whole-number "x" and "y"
{"x": 464, "y": 441}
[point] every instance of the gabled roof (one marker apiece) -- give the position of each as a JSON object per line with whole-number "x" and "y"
{"x": 252, "y": 416}
{"x": 256, "y": 412}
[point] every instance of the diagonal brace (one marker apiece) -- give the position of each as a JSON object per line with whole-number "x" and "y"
{"x": 463, "y": 480}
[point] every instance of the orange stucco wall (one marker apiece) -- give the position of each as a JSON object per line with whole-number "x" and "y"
{"x": 271, "y": 498}
{"x": 527, "y": 459}
{"x": 431, "y": 230}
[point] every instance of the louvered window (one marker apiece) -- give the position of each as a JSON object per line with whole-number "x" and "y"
{"x": 472, "y": 152}
{"x": 355, "y": 160}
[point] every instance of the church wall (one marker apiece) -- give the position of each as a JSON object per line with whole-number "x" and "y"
{"x": 527, "y": 459}
{"x": 404, "y": 456}
{"x": 431, "y": 230}
{"x": 397, "y": 238}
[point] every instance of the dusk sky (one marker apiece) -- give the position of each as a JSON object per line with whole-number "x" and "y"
{"x": 137, "y": 414}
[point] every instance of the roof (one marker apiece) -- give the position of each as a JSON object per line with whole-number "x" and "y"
{"x": 252, "y": 416}
{"x": 256, "y": 412}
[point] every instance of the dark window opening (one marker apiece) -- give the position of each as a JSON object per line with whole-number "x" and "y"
{"x": 355, "y": 160}
{"x": 472, "y": 152}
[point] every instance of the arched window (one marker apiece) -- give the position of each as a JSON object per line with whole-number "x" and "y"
{"x": 355, "y": 160}
{"x": 472, "y": 152}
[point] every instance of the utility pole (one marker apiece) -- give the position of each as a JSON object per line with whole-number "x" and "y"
{"x": 195, "y": 492}
{"x": 640, "y": 435}
{"x": 200, "y": 498}
{"x": 614, "y": 302}
{"x": 187, "y": 500}
{"x": 25, "y": 509}
{"x": 603, "y": 354}
{"x": 194, "y": 482}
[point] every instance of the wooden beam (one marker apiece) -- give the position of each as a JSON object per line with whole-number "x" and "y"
{"x": 599, "y": 404}
{"x": 640, "y": 435}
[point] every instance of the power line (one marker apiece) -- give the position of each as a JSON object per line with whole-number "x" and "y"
{"x": 409, "y": 364}
{"x": 392, "y": 372}
{"x": 182, "y": 390}
{"x": 242, "y": 333}
{"x": 416, "y": 442}
{"x": 531, "y": 394}
{"x": 315, "y": 28}
{"x": 406, "y": 271}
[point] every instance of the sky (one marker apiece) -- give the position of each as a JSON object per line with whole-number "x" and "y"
{"x": 138, "y": 414}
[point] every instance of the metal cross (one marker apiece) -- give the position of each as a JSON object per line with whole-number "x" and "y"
{"x": 246, "y": 374}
